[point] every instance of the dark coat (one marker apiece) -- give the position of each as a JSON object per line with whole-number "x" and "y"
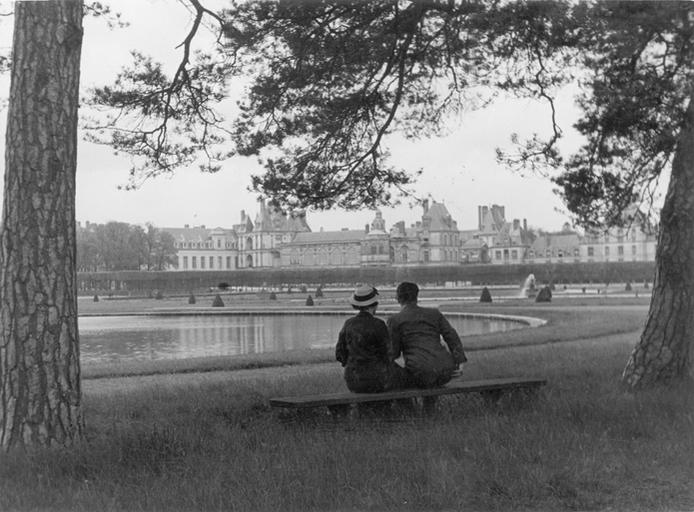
{"x": 416, "y": 333}
{"x": 363, "y": 348}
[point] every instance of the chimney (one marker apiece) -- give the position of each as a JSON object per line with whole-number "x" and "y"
{"x": 525, "y": 224}
{"x": 516, "y": 224}
{"x": 425, "y": 205}
{"x": 243, "y": 215}
{"x": 484, "y": 212}
{"x": 366, "y": 228}
{"x": 186, "y": 226}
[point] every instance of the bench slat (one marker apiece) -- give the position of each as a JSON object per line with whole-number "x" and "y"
{"x": 453, "y": 387}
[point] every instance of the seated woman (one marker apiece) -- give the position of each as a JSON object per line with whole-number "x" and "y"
{"x": 363, "y": 347}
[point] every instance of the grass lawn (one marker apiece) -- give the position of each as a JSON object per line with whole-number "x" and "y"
{"x": 208, "y": 441}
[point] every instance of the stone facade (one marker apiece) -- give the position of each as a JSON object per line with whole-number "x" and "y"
{"x": 275, "y": 239}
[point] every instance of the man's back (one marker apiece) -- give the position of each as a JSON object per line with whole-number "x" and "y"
{"x": 416, "y": 333}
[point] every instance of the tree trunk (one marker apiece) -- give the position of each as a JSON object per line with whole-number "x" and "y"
{"x": 665, "y": 352}
{"x": 40, "y": 393}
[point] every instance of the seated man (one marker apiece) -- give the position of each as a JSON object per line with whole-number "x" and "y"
{"x": 416, "y": 332}
{"x": 363, "y": 347}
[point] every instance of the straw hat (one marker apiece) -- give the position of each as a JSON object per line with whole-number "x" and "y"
{"x": 364, "y": 296}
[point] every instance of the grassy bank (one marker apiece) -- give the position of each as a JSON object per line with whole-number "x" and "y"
{"x": 209, "y": 442}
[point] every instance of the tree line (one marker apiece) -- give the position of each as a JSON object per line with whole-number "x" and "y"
{"x": 122, "y": 246}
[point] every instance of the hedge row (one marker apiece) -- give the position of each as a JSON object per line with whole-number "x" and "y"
{"x": 186, "y": 281}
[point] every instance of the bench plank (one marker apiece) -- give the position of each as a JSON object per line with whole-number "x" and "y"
{"x": 453, "y": 387}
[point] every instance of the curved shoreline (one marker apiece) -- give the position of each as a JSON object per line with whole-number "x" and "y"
{"x": 209, "y": 311}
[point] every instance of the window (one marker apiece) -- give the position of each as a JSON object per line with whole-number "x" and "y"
{"x": 607, "y": 250}
{"x": 228, "y": 262}
{"x": 194, "y": 261}
{"x": 219, "y": 262}
{"x": 633, "y": 250}
{"x": 185, "y": 262}
{"x": 514, "y": 254}
{"x": 202, "y": 262}
{"x": 219, "y": 243}
{"x": 591, "y": 251}
{"x": 497, "y": 255}
{"x": 620, "y": 250}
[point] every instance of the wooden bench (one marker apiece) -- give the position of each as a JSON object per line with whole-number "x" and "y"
{"x": 338, "y": 403}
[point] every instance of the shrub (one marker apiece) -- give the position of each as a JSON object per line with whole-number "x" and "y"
{"x": 217, "y": 302}
{"x": 303, "y": 288}
{"x": 627, "y": 287}
{"x": 319, "y": 292}
{"x": 96, "y": 298}
{"x": 485, "y": 296}
{"x": 309, "y": 301}
{"x": 159, "y": 295}
{"x": 272, "y": 296}
{"x": 645, "y": 284}
{"x": 191, "y": 299}
{"x": 544, "y": 295}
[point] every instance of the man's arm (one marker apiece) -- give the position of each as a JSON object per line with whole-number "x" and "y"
{"x": 395, "y": 341}
{"x": 450, "y": 336}
{"x": 341, "y": 351}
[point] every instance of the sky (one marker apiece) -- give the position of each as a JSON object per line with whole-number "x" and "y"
{"x": 458, "y": 169}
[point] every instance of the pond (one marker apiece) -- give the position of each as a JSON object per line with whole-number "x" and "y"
{"x": 121, "y": 338}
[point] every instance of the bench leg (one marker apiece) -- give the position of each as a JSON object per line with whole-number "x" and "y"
{"x": 429, "y": 405}
{"x": 492, "y": 396}
{"x": 338, "y": 411}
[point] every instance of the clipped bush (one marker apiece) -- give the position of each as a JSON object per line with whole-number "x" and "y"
{"x": 96, "y": 298}
{"x": 191, "y": 299}
{"x": 289, "y": 289}
{"x": 486, "y": 296}
{"x": 303, "y": 288}
{"x": 544, "y": 295}
{"x": 309, "y": 301}
{"x": 159, "y": 295}
{"x": 319, "y": 292}
{"x": 645, "y": 285}
{"x": 627, "y": 287}
{"x": 217, "y": 302}
{"x": 272, "y": 296}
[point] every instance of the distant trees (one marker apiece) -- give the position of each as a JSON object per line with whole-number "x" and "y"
{"x": 122, "y": 246}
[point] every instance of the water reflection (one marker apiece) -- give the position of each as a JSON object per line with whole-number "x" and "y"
{"x": 105, "y": 339}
